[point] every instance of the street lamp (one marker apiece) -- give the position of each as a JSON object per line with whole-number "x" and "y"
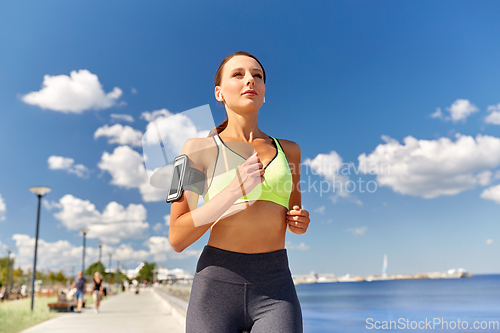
{"x": 109, "y": 267}
{"x": 40, "y": 191}
{"x": 7, "y": 278}
{"x": 100, "y": 254}
{"x": 118, "y": 271}
{"x": 84, "y": 231}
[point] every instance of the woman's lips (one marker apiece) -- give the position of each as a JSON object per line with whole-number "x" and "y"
{"x": 250, "y": 92}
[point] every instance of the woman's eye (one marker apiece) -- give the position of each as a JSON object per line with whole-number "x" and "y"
{"x": 258, "y": 75}
{"x": 236, "y": 74}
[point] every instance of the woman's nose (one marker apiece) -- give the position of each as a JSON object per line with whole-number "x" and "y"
{"x": 251, "y": 80}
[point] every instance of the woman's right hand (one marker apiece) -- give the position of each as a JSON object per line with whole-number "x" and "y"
{"x": 248, "y": 175}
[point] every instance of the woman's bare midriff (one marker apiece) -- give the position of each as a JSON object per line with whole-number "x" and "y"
{"x": 259, "y": 228}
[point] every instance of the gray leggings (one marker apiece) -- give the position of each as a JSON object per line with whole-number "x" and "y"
{"x": 243, "y": 292}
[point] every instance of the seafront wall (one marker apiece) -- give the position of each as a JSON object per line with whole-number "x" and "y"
{"x": 176, "y": 305}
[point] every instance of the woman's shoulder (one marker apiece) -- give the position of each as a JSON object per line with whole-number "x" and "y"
{"x": 291, "y": 148}
{"x": 200, "y": 151}
{"x": 197, "y": 144}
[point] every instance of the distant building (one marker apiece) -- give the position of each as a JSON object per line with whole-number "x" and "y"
{"x": 162, "y": 273}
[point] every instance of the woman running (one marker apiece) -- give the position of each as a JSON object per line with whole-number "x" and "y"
{"x": 242, "y": 281}
{"x": 98, "y": 291}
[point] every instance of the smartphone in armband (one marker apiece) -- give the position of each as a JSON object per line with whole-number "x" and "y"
{"x": 175, "y": 191}
{"x": 184, "y": 177}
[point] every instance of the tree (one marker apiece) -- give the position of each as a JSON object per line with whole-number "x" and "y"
{"x": 95, "y": 267}
{"x": 146, "y": 272}
{"x": 3, "y": 271}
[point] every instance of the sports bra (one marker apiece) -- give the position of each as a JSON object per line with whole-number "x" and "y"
{"x": 277, "y": 185}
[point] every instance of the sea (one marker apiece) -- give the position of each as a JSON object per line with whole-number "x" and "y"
{"x": 428, "y": 305}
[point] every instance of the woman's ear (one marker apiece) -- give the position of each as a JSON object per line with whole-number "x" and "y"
{"x": 218, "y": 94}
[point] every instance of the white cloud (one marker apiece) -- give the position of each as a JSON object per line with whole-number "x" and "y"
{"x": 112, "y": 225}
{"x": 437, "y": 113}
{"x": 133, "y": 90}
{"x": 430, "y": 168}
{"x": 151, "y": 116}
{"x": 122, "y": 135}
{"x": 157, "y": 227}
{"x": 174, "y": 131}
{"x": 461, "y": 109}
{"x": 122, "y": 117}
{"x": 302, "y": 246}
{"x": 494, "y": 116}
{"x": 66, "y": 163}
{"x": 62, "y": 254}
{"x": 335, "y": 172}
{"x": 3, "y": 209}
{"x": 49, "y": 205}
{"x": 492, "y": 193}
{"x": 158, "y": 247}
{"x": 72, "y": 94}
{"x": 167, "y": 220}
{"x": 357, "y": 231}
{"x": 126, "y": 253}
{"x": 126, "y": 166}
{"x": 489, "y": 241}
{"x": 320, "y": 210}
{"x": 127, "y": 170}
{"x": 55, "y": 255}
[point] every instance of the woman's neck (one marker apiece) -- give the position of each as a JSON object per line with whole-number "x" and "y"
{"x": 243, "y": 126}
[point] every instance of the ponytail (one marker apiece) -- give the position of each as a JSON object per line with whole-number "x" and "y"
{"x": 218, "y": 129}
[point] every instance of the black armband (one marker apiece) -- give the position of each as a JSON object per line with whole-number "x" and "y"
{"x": 185, "y": 177}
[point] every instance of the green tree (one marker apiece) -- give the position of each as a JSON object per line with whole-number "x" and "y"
{"x": 60, "y": 277}
{"x": 95, "y": 268}
{"x": 3, "y": 270}
{"x": 146, "y": 272}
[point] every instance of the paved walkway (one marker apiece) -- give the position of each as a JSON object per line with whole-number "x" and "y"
{"x": 125, "y": 312}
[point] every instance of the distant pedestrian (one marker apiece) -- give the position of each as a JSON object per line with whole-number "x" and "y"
{"x": 80, "y": 286}
{"x": 98, "y": 290}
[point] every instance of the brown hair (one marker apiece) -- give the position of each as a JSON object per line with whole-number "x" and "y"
{"x": 218, "y": 78}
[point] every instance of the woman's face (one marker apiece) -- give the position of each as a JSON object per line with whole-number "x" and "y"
{"x": 97, "y": 275}
{"x": 241, "y": 73}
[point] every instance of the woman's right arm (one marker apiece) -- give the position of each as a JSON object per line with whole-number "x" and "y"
{"x": 187, "y": 222}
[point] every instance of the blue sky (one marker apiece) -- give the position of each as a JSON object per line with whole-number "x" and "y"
{"x": 344, "y": 80}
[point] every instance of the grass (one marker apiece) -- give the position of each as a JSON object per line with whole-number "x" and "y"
{"x": 16, "y": 316}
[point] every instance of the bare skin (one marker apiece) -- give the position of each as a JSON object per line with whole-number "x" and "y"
{"x": 260, "y": 227}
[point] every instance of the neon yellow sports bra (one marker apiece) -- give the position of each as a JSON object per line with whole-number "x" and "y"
{"x": 276, "y": 187}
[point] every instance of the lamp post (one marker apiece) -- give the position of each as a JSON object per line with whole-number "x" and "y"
{"x": 11, "y": 271}
{"x": 84, "y": 232}
{"x": 110, "y": 253}
{"x": 40, "y": 191}
{"x": 118, "y": 271}
{"x": 100, "y": 255}
{"x": 7, "y": 278}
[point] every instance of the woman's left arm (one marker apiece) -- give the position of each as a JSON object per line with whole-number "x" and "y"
{"x": 297, "y": 218}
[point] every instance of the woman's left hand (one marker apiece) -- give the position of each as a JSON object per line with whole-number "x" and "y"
{"x": 298, "y": 219}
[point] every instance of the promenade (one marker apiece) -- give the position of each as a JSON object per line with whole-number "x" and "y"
{"x": 125, "y": 312}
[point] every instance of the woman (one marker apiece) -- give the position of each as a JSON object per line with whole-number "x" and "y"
{"x": 98, "y": 291}
{"x": 242, "y": 281}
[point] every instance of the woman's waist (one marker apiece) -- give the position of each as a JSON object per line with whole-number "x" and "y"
{"x": 258, "y": 213}
{"x": 238, "y": 267}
